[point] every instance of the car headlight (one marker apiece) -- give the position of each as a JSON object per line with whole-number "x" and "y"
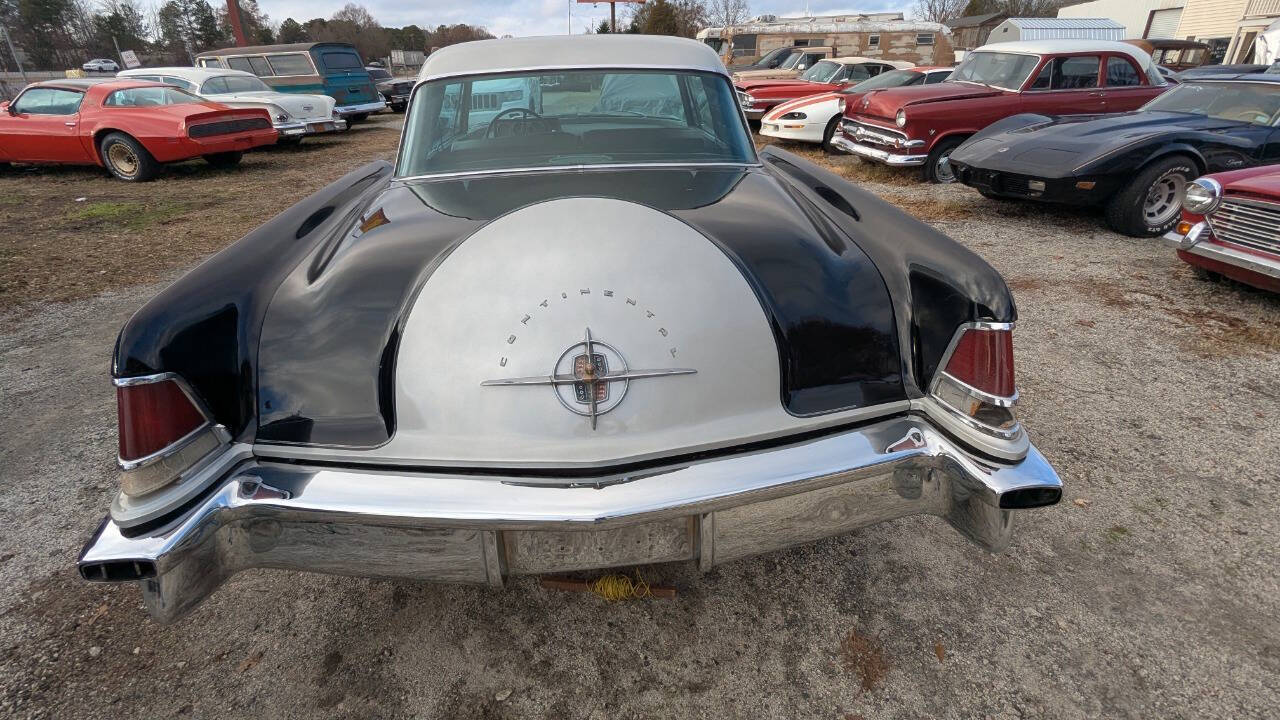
{"x": 901, "y": 118}
{"x": 1202, "y": 196}
{"x": 793, "y": 116}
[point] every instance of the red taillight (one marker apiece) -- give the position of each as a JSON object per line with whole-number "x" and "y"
{"x": 152, "y": 416}
{"x": 983, "y": 360}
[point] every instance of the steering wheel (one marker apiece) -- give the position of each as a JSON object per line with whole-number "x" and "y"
{"x": 526, "y": 113}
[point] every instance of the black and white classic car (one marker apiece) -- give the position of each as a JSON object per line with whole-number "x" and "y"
{"x": 599, "y": 332}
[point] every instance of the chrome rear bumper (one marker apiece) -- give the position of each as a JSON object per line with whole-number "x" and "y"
{"x": 482, "y": 529}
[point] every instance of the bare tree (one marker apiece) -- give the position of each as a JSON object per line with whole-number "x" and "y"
{"x": 939, "y": 10}
{"x": 724, "y": 13}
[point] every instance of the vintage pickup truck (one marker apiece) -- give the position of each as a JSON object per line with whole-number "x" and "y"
{"x": 920, "y": 125}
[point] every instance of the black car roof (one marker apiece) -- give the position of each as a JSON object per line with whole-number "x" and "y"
{"x": 1251, "y": 77}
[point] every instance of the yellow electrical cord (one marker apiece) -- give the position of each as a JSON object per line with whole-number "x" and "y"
{"x": 615, "y": 587}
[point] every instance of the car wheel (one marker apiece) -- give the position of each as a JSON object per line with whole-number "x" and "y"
{"x": 830, "y": 133}
{"x": 937, "y": 168}
{"x": 1152, "y": 203}
{"x": 224, "y": 160}
{"x": 127, "y": 159}
{"x": 358, "y": 117}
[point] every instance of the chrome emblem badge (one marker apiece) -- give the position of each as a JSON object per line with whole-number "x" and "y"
{"x": 590, "y": 378}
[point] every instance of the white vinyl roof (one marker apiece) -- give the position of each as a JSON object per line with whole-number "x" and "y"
{"x": 194, "y": 74}
{"x": 1045, "y": 47}
{"x": 570, "y": 51}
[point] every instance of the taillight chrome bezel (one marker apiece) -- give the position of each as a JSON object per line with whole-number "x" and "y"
{"x": 161, "y": 468}
{"x": 1003, "y": 436}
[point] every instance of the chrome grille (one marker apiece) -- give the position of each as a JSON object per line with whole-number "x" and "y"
{"x": 872, "y": 134}
{"x": 1252, "y": 223}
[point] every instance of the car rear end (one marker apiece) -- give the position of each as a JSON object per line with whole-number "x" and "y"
{"x": 346, "y": 81}
{"x": 223, "y": 131}
{"x": 298, "y": 116}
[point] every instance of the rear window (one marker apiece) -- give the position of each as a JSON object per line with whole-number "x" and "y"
{"x": 341, "y": 60}
{"x": 149, "y": 96}
{"x": 291, "y": 64}
{"x": 529, "y": 120}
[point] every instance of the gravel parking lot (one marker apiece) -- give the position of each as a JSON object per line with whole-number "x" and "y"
{"x": 1152, "y": 591}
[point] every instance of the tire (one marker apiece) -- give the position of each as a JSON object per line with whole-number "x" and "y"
{"x": 1152, "y": 202}
{"x": 830, "y": 133}
{"x": 940, "y": 152}
{"x": 225, "y": 159}
{"x": 125, "y": 158}
{"x": 358, "y": 117}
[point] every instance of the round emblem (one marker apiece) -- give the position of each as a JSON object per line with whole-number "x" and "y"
{"x": 591, "y": 362}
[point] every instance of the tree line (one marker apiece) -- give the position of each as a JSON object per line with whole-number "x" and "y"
{"x": 58, "y": 34}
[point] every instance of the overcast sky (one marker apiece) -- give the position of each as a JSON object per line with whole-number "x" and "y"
{"x": 531, "y": 17}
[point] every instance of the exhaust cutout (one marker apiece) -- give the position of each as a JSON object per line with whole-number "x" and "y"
{"x": 118, "y": 571}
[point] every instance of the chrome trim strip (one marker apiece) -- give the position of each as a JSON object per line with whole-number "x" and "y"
{"x": 372, "y": 458}
{"x": 361, "y": 108}
{"x": 554, "y": 69}
{"x": 1226, "y": 254}
{"x": 575, "y": 168}
{"x": 997, "y": 400}
{"x": 459, "y": 528}
{"x": 171, "y": 449}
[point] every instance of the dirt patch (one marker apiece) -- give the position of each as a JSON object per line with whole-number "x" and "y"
{"x": 74, "y": 232}
{"x": 863, "y": 657}
{"x": 933, "y": 208}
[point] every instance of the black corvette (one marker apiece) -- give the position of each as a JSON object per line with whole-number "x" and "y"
{"x": 603, "y": 333}
{"x": 1134, "y": 164}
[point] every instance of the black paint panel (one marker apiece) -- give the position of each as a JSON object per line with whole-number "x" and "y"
{"x": 205, "y": 325}
{"x": 936, "y": 283}
{"x": 297, "y": 324}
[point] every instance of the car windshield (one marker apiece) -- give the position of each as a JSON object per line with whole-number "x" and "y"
{"x": 241, "y": 83}
{"x": 791, "y": 62}
{"x": 821, "y": 71}
{"x": 528, "y": 120}
{"x": 1003, "y": 70}
{"x": 146, "y": 96}
{"x": 893, "y": 78}
{"x": 1256, "y": 103}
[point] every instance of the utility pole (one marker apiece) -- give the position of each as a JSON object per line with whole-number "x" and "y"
{"x": 9, "y": 42}
{"x": 113, "y": 42}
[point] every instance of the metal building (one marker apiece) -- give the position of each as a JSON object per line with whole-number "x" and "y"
{"x": 1057, "y": 29}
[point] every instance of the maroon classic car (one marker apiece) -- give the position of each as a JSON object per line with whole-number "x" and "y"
{"x": 759, "y": 96}
{"x": 921, "y": 125}
{"x": 1231, "y": 226}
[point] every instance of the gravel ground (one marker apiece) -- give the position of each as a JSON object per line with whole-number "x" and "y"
{"x": 1150, "y": 592}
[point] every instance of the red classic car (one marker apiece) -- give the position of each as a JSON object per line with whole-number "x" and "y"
{"x": 758, "y": 96}
{"x": 127, "y": 126}
{"x": 921, "y": 125}
{"x": 1231, "y": 226}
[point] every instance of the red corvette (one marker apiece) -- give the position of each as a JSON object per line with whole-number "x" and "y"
{"x": 1229, "y": 226}
{"x": 129, "y": 127}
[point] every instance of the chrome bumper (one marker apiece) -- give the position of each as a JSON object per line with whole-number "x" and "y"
{"x": 1193, "y": 243}
{"x": 482, "y": 529}
{"x": 362, "y": 108}
{"x": 884, "y": 156}
{"x": 304, "y": 127}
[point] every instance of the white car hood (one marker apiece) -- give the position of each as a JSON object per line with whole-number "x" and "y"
{"x": 297, "y": 105}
